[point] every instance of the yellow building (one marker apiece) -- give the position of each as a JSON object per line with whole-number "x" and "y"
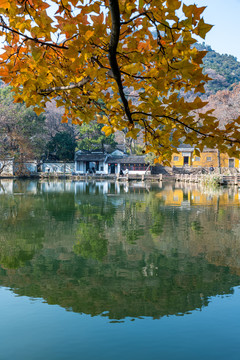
{"x": 208, "y": 158}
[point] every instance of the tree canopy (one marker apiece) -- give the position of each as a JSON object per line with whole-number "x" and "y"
{"x": 61, "y": 147}
{"x": 91, "y": 137}
{"x": 124, "y": 61}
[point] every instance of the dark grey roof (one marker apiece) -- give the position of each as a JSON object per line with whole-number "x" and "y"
{"x": 123, "y": 159}
{"x": 132, "y": 159}
{"x": 90, "y": 157}
{"x": 114, "y": 159}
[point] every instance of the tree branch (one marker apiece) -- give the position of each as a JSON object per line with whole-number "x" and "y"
{"x": 133, "y": 18}
{"x": 114, "y": 39}
{"x": 185, "y": 125}
{"x": 26, "y": 37}
{"x": 68, "y": 87}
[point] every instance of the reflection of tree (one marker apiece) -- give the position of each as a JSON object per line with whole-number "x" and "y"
{"x": 21, "y": 232}
{"x": 131, "y": 223}
{"x": 171, "y": 267}
{"x": 157, "y": 215}
{"x": 16, "y": 257}
{"x": 151, "y": 286}
{"x": 26, "y": 222}
{"x": 60, "y": 205}
{"x": 141, "y": 213}
{"x": 196, "y": 226}
{"x": 96, "y": 216}
{"x": 92, "y": 243}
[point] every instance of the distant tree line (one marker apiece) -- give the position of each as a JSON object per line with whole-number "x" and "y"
{"x": 26, "y": 136}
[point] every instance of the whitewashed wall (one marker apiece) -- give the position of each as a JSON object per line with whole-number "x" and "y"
{"x": 58, "y": 167}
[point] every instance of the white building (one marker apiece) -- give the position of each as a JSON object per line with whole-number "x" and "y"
{"x": 113, "y": 163}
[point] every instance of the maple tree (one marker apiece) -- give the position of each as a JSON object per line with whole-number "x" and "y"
{"x": 124, "y": 61}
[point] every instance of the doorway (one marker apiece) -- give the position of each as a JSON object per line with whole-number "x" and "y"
{"x": 185, "y": 160}
{"x": 111, "y": 168}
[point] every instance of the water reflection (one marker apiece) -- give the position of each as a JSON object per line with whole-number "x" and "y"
{"x": 117, "y": 250}
{"x": 194, "y": 195}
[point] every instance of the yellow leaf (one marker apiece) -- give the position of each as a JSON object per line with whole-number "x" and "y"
{"x": 173, "y": 4}
{"x": 38, "y": 110}
{"x": 64, "y": 119}
{"x": 4, "y": 4}
{"x": 202, "y": 29}
{"x": 102, "y": 119}
{"x": 133, "y": 133}
{"x": 36, "y": 53}
{"x": 107, "y": 130}
{"x": 88, "y": 34}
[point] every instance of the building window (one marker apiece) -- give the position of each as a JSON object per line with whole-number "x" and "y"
{"x": 231, "y": 163}
{"x": 176, "y": 158}
{"x": 209, "y": 158}
{"x": 197, "y": 158}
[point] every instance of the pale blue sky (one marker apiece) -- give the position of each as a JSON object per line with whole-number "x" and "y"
{"x": 225, "y": 15}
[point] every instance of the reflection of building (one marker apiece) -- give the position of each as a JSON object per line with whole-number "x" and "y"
{"x": 179, "y": 197}
{"x": 207, "y": 158}
{"x": 6, "y": 186}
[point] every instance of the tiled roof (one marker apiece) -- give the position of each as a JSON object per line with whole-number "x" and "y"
{"x": 132, "y": 159}
{"x": 90, "y": 157}
{"x": 123, "y": 159}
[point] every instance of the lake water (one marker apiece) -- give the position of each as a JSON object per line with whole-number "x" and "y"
{"x": 109, "y": 271}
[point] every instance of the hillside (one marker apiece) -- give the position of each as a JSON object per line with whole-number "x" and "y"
{"x": 226, "y": 104}
{"x": 223, "y": 69}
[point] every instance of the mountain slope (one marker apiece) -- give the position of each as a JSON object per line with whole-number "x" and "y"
{"x": 223, "y": 69}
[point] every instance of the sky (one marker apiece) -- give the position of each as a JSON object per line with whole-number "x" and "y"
{"x": 224, "y": 15}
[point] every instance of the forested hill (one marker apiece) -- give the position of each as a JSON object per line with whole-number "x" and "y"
{"x": 223, "y": 69}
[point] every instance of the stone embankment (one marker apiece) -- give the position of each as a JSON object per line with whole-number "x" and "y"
{"x": 204, "y": 178}
{"x": 185, "y": 174}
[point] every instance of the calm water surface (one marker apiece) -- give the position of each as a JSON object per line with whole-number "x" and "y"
{"x": 107, "y": 271}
